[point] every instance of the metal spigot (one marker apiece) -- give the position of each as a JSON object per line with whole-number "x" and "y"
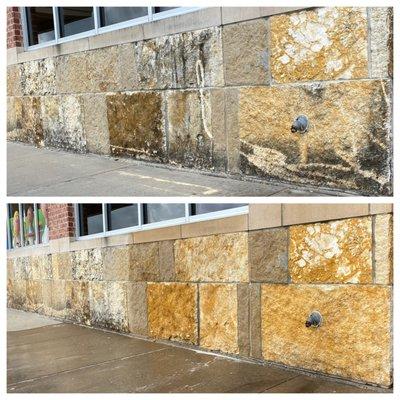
{"x": 300, "y": 124}
{"x": 314, "y": 320}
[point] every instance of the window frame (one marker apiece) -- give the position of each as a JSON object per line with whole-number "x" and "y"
{"x": 98, "y": 30}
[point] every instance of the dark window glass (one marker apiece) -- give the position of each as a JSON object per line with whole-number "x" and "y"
{"x": 207, "y": 208}
{"x": 161, "y": 9}
{"x": 29, "y": 225}
{"x": 163, "y": 212}
{"x": 114, "y": 15}
{"x": 75, "y": 20}
{"x": 40, "y": 24}
{"x": 14, "y": 224}
{"x": 122, "y": 216}
{"x": 90, "y": 219}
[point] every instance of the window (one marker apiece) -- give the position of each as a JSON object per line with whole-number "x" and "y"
{"x": 75, "y": 20}
{"x": 162, "y": 212}
{"x": 29, "y": 225}
{"x": 121, "y": 216}
{"x": 114, "y": 15}
{"x": 90, "y": 219}
{"x": 203, "y": 208}
{"x": 40, "y": 25}
{"x": 14, "y": 226}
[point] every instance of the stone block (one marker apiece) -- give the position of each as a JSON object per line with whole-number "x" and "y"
{"x": 264, "y": 216}
{"x": 38, "y": 77}
{"x": 243, "y": 319}
{"x": 219, "y": 317}
{"x": 255, "y": 320}
{"x": 77, "y": 301}
{"x": 116, "y": 261}
{"x": 34, "y": 296}
{"x": 152, "y": 235}
{"x": 383, "y": 242}
{"x": 17, "y": 294}
{"x": 14, "y": 80}
{"x": 87, "y": 265}
{"x": 317, "y": 44}
{"x": 62, "y": 266}
{"x": 245, "y": 47}
{"x": 172, "y": 311}
{"x": 332, "y": 252}
{"x": 137, "y": 307}
{"x": 47, "y": 297}
{"x": 231, "y": 101}
{"x": 59, "y": 299}
{"x": 354, "y": 340}
{"x": 347, "y": 145}
{"x": 144, "y": 262}
{"x": 72, "y": 73}
{"x": 135, "y": 124}
{"x": 167, "y": 261}
{"x": 10, "y": 268}
{"x": 380, "y": 208}
{"x": 21, "y": 268}
{"x": 268, "y": 255}
{"x": 222, "y": 257}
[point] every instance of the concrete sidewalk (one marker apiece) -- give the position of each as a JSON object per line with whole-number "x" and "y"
{"x": 62, "y": 357}
{"x": 44, "y": 172}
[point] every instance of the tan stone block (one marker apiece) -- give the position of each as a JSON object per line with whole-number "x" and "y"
{"x": 168, "y": 233}
{"x": 167, "y": 261}
{"x": 221, "y": 257}
{"x": 293, "y": 214}
{"x": 144, "y": 262}
{"x": 268, "y": 255}
{"x": 332, "y": 252}
{"x": 317, "y": 45}
{"x": 337, "y": 150}
{"x": 47, "y": 294}
{"x": 264, "y": 216}
{"x": 219, "y": 317}
{"x": 87, "y": 265}
{"x": 18, "y": 294}
{"x": 243, "y": 319}
{"x": 218, "y": 129}
{"x": 120, "y": 36}
{"x": 172, "y": 311}
{"x": 255, "y": 320}
{"x": 116, "y": 261}
{"x": 38, "y": 77}
{"x": 78, "y": 306}
{"x": 354, "y": 340}
{"x": 21, "y": 267}
{"x": 383, "y": 254}
{"x": 34, "y": 296}
{"x": 245, "y": 53}
{"x": 232, "y": 129}
{"x": 62, "y": 266}
{"x": 380, "y": 208}
{"x": 59, "y": 299}
{"x": 72, "y": 73}
{"x": 137, "y": 307}
{"x": 237, "y": 223}
{"x": 10, "y": 268}
{"x": 14, "y": 80}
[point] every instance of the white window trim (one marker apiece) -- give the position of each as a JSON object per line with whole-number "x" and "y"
{"x": 187, "y": 219}
{"x": 98, "y": 30}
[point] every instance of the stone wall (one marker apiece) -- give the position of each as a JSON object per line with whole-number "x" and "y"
{"x": 224, "y": 98}
{"x": 247, "y": 291}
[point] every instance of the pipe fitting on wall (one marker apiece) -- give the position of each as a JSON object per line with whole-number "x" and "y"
{"x": 300, "y": 124}
{"x": 314, "y": 320}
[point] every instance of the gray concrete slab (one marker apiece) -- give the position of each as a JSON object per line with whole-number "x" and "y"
{"x": 49, "y": 172}
{"x": 18, "y": 320}
{"x": 66, "y": 358}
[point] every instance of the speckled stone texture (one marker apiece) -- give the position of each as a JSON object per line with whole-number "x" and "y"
{"x": 354, "y": 340}
{"x": 347, "y": 145}
{"x": 172, "y": 311}
{"x": 78, "y": 306}
{"x": 87, "y": 265}
{"x": 245, "y": 48}
{"x": 135, "y": 123}
{"x": 319, "y": 45}
{"x": 14, "y": 87}
{"x": 383, "y": 235}
{"x": 137, "y": 307}
{"x": 38, "y": 77}
{"x": 268, "y": 255}
{"x": 332, "y": 252}
{"x": 34, "y": 296}
{"x": 219, "y": 317}
{"x": 116, "y": 263}
{"x": 61, "y": 265}
{"x": 222, "y": 257}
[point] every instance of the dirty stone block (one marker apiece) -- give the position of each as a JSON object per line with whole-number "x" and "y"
{"x": 77, "y": 296}
{"x": 87, "y": 265}
{"x": 95, "y": 123}
{"x": 383, "y": 235}
{"x": 137, "y": 307}
{"x": 47, "y": 297}
{"x": 21, "y": 268}
{"x": 135, "y": 123}
{"x": 38, "y": 77}
{"x": 98, "y": 303}
{"x": 381, "y": 34}
{"x": 24, "y": 123}
{"x": 14, "y": 80}
{"x": 219, "y": 317}
{"x": 63, "y": 124}
{"x": 255, "y": 320}
{"x": 319, "y": 45}
{"x": 72, "y": 73}
{"x": 172, "y": 311}
{"x": 222, "y": 257}
{"x": 62, "y": 266}
{"x": 268, "y": 255}
{"x": 144, "y": 262}
{"x": 167, "y": 261}
{"x": 347, "y": 145}
{"x": 10, "y": 268}
{"x": 59, "y": 299}
{"x": 332, "y": 252}
{"x": 243, "y": 319}
{"x": 354, "y": 340}
{"x": 128, "y": 70}
{"x": 34, "y": 296}
{"x": 246, "y": 53}
{"x": 10, "y": 293}
{"x": 116, "y": 263}
{"x": 41, "y": 267}
{"x": 18, "y": 294}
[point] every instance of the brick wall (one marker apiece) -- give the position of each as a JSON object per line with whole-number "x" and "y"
{"x": 61, "y": 221}
{"x": 14, "y": 28}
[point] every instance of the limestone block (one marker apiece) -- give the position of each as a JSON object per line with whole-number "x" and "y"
{"x": 14, "y": 80}
{"x": 10, "y": 268}
{"x": 17, "y": 293}
{"x": 219, "y": 317}
{"x": 72, "y": 73}
{"x": 137, "y": 307}
{"x": 63, "y": 122}
{"x": 383, "y": 235}
{"x": 62, "y": 265}
{"x": 135, "y": 124}
{"x": 47, "y": 297}
{"x": 318, "y": 45}
{"x": 222, "y": 257}
{"x": 59, "y": 299}
{"x": 347, "y": 145}
{"x": 245, "y": 47}
{"x": 78, "y": 306}
{"x": 167, "y": 261}
{"x": 116, "y": 263}
{"x": 38, "y": 77}
{"x": 87, "y": 265}
{"x": 332, "y": 252}
{"x": 34, "y": 297}
{"x": 268, "y": 255}
{"x": 354, "y": 340}
{"x": 172, "y": 311}
{"x": 144, "y": 262}
{"x": 21, "y": 268}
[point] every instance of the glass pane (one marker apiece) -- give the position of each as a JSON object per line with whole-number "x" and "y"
{"x": 163, "y": 212}
{"x": 113, "y": 15}
{"x": 207, "y": 208}
{"x": 90, "y": 219}
{"x": 29, "y": 225}
{"x": 161, "y": 9}
{"x": 75, "y": 20}
{"x": 42, "y": 223}
{"x": 15, "y": 231}
{"x": 122, "y": 216}
{"x": 40, "y": 24}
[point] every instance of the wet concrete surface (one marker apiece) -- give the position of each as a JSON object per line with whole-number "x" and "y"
{"x": 50, "y": 172}
{"x": 67, "y": 358}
